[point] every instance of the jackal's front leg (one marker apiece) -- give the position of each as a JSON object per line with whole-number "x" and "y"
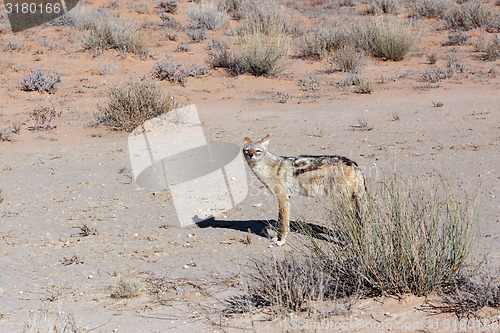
{"x": 283, "y": 215}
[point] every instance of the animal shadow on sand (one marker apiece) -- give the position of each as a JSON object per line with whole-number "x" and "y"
{"x": 263, "y": 227}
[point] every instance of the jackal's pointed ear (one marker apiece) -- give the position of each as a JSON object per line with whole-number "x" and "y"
{"x": 265, "y": 139}
{"x": 246, "y": 139}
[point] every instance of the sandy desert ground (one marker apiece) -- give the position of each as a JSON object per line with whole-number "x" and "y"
{"x": 55, "y": 181}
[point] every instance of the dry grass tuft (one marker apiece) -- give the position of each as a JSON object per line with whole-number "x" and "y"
{"x": 264, "y": 16}
{"x": 109, "y": 33}
{"x": 206, "y": 16}
{"x": 387, "y": 38}
{"x": 263, "y": 55}
{"x": 127, "y": 289}
{"x": 315, "y": 44}
{"x": 129, "y": 106}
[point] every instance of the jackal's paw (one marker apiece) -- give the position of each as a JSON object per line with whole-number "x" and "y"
{"x": 280, "y": 242}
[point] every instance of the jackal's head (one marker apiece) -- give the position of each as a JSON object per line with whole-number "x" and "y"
{"x": 254, "y": 151}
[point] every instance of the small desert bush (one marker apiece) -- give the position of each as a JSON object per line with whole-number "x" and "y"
{"x": 262, "y": 55}
{"x": 473, "y": 14}
{"x": 169, "y": 6}
{"x": 220, "y": 55}
{"x": 385, "y": 6}
{"x": 285, "y": 284}
{"x": 80, "y": 17}
{"x": 264, "y": 16}
{"x": 6, "y": 135}
{"x": 183, "y": 47}
{"x": 311, "y": 82}
{"x": 130, "y": 105}
{"x": 437, "y": 74}
{"x": 169, "y": 22}
{"x": 196, "y": 35}
{"x": 121, "y": 35}
{"x": 170, "y": 70}
{"x": 127, "y": 289}
{"x": 43, "y": 118}
{"x": 387, "y": 38}
{"x": 467, "y": 294}
{"x": 431, "y": 8}
{"x": 107, "y": 67}
{"x": 234, "y": 7}
{"x": 206, "y": 16}
{"x": 176, "y": 72}
{"x": 316, "y": 43}
{"x": 492, "y": 49}
{"x": 405, "y": 238}
{"x": 456, "y": 38}
{"x": 348, "y": 58}
{"x": 41, "y": 81}
{"x": 364, "y": 86}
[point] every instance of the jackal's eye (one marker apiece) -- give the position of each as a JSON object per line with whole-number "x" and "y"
{"x": 246, "y": 151}
{"x": 258, "y": 151}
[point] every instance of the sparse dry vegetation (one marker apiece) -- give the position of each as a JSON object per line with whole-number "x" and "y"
{"x": 403, "y": 239}
{"x": 311, "y": 82}
{"x": 431, "y": 8}
{"x": 169, "y": 6}
{"x": 127, "y": 289}
{"x": 206, "y": 15}
{"x": 437, "y": 74}
{"x": 41, "y": 80}
{"x": 492, "y": 49}
{"x": 473, "y": 14}
{"x": 347, "y": 58}
{"x": 469, "y": 293}
{"x": 385, "y": 6}
{"x": 43, "y": 118}
{"x": 43, "y": 320}
{"x": 130, "y": 105}
{"x": 265, "y": 17}
{"x": 315, "y": 44}
{"x": 176, "y": 72}
{"x": 387, "y": 38}
{"x": 109, "y": 33}
{"x": 263, "y": 55}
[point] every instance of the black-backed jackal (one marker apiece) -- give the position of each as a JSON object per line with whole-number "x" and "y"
{"x": 305, "y": 175}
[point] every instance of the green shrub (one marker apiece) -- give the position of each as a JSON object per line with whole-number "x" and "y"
{"x": 129, "y": 106}
{"x": 403, "y": 239}
{"x": 386, "y": 38}
{"x": 263, "y": 55}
